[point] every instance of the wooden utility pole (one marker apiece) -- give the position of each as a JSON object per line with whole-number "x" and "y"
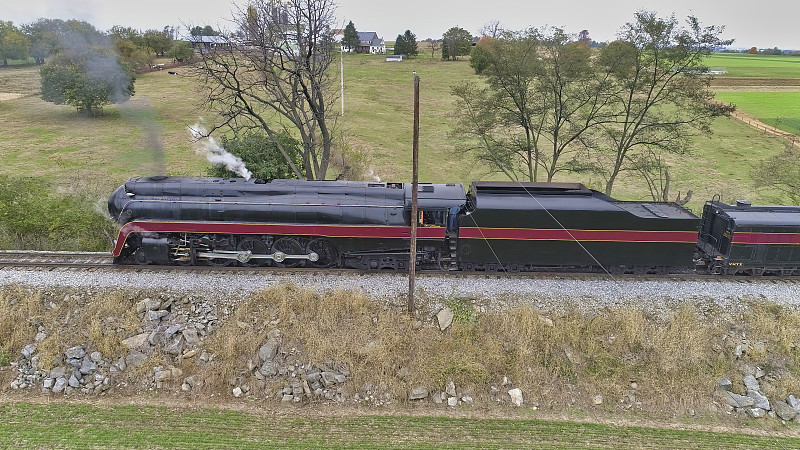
{"x": 412, "y": 257}
{"x": 341, "y": 72}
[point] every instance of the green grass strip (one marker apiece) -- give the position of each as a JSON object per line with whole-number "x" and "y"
{"x": 25, "y": 425}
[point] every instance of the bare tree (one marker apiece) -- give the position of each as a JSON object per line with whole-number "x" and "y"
{"x": 781, "y": 172}
{"x": 492, "y": 29}
{"x": 273, "y": 75}
{"x": 434, "y": 46}
{"x": 655, "y": 171}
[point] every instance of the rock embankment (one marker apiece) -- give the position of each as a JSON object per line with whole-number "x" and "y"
{"x": 265, "y": 347}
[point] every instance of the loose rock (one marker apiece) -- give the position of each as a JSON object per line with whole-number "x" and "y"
{"x": 445, "y": 318}
{"x": 418, "y": 393}
{"x": 517, "y": 400}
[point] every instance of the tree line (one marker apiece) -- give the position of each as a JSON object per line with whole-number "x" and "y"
{"x": 548, "y": 103}
{"x": 83, "y": 66}
{"x": 44, "y": 37}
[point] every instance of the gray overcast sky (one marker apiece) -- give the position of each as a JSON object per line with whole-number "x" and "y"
{"x": 766, "y": 23}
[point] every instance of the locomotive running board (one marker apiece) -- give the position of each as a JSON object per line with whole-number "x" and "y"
{"x": 245, "y": 256}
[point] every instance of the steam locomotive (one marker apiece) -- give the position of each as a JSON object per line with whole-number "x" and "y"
{"x": 495, "y": 226}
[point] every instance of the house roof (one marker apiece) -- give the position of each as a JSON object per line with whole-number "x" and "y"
{"x": 206, "y": 39}
{"x": 369, "y": 38}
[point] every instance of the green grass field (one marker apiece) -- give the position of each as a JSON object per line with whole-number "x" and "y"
{"x": 86, "y": 426}
{"x": 756, "y": 66}
{"x": 75, "y": 154}
{"x": 779, "y": 109}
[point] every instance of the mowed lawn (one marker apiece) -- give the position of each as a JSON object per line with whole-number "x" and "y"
{"x": 73, "y": 425}
{"x": 41, "y": 139}
{"x": 778, "y": 109}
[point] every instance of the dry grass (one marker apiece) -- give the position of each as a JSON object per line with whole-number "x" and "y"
{"x": 102, "y": 320}
{"x": 558, "y": 360}
{"x": 20, "y": 312}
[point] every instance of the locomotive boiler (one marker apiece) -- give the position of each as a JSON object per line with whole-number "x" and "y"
{"x": 287, "y": 223}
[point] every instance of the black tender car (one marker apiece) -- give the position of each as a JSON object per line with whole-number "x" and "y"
{"x": 531, "y": 226}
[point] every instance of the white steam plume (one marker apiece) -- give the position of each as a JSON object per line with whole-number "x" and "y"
{"x": 208, "y": 147}
{"x": 371, "y": 174}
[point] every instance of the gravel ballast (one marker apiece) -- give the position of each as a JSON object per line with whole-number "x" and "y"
{"x": 494, "y": 291}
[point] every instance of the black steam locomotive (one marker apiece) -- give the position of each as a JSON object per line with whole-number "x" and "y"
{"x": 496, "y": 226}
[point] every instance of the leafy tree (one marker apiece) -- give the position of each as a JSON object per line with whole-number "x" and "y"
{"x": 86, "y": 79}
{"x": 207, "y": 30}
{"x": 44, "y": 36}
{"x": 478, "y": 120}
{"x": 480, "y": 56}
{"x": 132, "y": 56}
{"x": 13, "y": 43}
{"x": 456, "y": 42}
{"x": 400, "y": 45}
{"x": 350, "y": 40}
{"x": 171, "y": 32}
{"x": 542, "y": 96}
{"x": 660, "y": 90}
{"x": 49, "y": 36}
{"x": 181, "y": 51}
{"x": 273, "y": 76}
{"x": 126, "y": 33}
{"x": 158, "y": 41}
{"x": 752, "y": 51}
{"x": 583, "y": 36}
{"x": 781, "y": 172}
{"x": 261, "y": 155}
{"x": 409, "y": 41}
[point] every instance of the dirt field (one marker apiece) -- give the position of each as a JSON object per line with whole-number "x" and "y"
{"x": 9, "y": 96}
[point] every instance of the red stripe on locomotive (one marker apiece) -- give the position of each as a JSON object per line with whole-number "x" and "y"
{"x": 766, "y": 238}
{"x": 532, "y": 234}
{"x": 332, "y": 231}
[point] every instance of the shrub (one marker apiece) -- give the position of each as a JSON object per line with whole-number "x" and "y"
{"x": 33, "y": 216}
{"x": 261, "y": 155}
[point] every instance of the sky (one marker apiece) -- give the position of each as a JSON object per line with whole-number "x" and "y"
{"x": 763, "y": 24}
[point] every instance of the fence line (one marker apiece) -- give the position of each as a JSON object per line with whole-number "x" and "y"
{"x": 767, "y": 129}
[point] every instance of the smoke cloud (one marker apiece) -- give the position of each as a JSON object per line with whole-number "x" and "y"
{"x": 206, "y": 146}
{"x": 371, "y": 174}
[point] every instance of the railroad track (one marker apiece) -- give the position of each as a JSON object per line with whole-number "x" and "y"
{"x": 93, "y": 261}
{"x": 26, "y": 258}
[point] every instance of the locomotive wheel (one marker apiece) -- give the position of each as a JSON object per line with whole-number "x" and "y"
{"x": 221, "y": 262}
{"x": 288, "y": 246}
{"x": 328, "y": 255}
{"x": 140, "y": 258}
{"x": 256, "y": 246}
